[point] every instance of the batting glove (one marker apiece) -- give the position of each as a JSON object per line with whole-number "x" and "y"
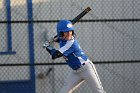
{"x": 46, "y": 44}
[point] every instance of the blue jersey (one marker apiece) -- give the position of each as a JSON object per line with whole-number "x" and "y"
{"x": 73, "y": 53}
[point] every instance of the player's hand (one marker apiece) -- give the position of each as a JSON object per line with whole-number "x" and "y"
{"x": 46, "y": 44}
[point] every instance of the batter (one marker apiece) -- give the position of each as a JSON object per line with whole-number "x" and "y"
{"x": 82, "y": 68}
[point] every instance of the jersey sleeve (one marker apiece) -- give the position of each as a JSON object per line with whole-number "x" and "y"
{"x": 55, "y": 53}
{"x": 68, "y": 48}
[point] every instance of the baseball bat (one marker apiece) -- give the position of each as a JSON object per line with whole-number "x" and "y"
{"x": 77, "y": 18}
{"x": 83, "y": 13}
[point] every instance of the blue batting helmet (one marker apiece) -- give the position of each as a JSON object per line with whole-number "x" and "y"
{"x": 64, "y": 26}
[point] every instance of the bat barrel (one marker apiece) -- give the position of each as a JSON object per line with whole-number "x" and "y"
{"x": 76, "y": 19}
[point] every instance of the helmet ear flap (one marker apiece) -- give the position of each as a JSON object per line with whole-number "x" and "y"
{"x": 61, "y": 34}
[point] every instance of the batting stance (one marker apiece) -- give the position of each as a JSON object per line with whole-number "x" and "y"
{"x": 82, "y": 68}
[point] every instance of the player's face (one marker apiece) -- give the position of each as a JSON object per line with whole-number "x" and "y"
{"x": 67, "y": 35}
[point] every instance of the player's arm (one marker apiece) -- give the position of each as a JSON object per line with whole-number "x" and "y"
{"x": 55, "y": 53}
{"x": 52, "y": 51}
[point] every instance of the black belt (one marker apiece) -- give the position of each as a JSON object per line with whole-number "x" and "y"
{"x": 83, "y": 64}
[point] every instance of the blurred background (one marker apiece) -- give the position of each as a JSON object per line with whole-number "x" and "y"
{"x": 109, "y": 34}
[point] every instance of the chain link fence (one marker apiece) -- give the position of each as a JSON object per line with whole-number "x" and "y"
{"x": 109, "y": 35}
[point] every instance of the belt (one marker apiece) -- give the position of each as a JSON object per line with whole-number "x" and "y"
{"x": 83, "y": 64}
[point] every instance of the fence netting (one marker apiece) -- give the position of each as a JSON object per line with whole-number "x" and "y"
{"x": 109, "y": 35}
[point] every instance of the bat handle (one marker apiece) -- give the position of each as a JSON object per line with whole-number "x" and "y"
{"x": 55, "y": 36}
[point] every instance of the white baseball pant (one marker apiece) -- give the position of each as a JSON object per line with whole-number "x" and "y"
{"x": 86, "y": 73}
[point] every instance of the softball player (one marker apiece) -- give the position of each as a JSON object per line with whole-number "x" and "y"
{"x": 82, "y": 68}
